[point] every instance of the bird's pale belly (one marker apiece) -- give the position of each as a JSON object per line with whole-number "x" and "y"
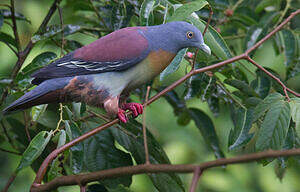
{"x": 96, "y": 89}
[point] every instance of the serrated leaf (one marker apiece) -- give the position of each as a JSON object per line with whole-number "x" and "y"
{"x": 37, "y": 111}
{"x": 77, "y": 151}
{"x": 288, "y": 42}
{"x": 274, "y": 128}
{"x": 187, "y": 9}
{"x": 265, "y": 105}
{"x": 101, "y": 154}
{"x": 240, "y": 135}
{"x": 295, "y": 112}
{"x": 174, "y": 65}
{"x": 207, "y": 129}
{"x": 34, "y": 149}
{"x": 262, "y": 84}
{"x": 164, "y": 182}
{"x": 145, "y": 11}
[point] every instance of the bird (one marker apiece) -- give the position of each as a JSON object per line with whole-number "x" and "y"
{"x": 103, "y": 73}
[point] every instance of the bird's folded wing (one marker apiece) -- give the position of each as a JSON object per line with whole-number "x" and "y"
{"x": 117, "y": 51}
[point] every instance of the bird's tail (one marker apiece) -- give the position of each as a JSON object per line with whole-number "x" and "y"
{"x": 47, "y": 92}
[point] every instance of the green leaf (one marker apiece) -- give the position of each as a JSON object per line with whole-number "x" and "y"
{"x": 7, "y": 14}
{"x": 274, "y": 128}
{"x": 38, "y": 62}
{"x": 62, "y": 138}
{"x": 164, "y": 182}
{"x": 187, "y": 9}
{"x": 288, "y": 42}
{"x": 262, "y": 84}
{"x": 295, "y": 112}
{"x": 240, "y": 135}
{"x": 6, "y": 38}
{"x": 145, "y": 11}
{"x": 34, "y": 149}
{"x": 53, "y": 30}
{"x": 174, "y": 66}
{"x": 121, "y": 14}
{"x": 265, "y": 105}
{"x": 213, "y": 39}
{"x": 37, "y": 111}
{"x": 77, "y": 151}
{"x": 1, "y": 19}
{"x": 207, "y": 129}
{"x": 242, "y": 86}
{"x": 101, "y": 154}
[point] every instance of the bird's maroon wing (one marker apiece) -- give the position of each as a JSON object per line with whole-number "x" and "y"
{"x": 115, "y": 52}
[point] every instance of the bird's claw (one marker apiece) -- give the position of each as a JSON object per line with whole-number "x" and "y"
{"x": 136, "y": 108}
{"x": 122, "y": 116}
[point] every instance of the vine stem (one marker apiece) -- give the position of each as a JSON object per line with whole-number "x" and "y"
{"x": 43, "y": 168}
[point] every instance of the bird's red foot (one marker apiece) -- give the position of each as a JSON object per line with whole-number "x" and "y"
{"x": 122, "y": 116}
{"x": 136, "y": 108}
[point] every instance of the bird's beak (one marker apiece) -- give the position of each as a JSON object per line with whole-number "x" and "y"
{"x": 205, "y": 48}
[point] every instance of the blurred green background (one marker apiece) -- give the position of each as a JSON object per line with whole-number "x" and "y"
{"x": 183, "y": 144}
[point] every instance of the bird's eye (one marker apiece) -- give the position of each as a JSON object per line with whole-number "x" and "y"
{"x": 190, "y": 34}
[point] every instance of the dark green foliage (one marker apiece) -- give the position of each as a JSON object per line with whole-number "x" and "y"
{"x": 261, "y": 116}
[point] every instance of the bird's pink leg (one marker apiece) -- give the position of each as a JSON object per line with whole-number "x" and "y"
{"x": 112, "y": 108}
{"x": 136, "y": 108}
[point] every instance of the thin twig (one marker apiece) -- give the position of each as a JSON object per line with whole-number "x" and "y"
{"x": 11, "y": 48}
{"x": 197, "y": 174}
{"x": 98, "y": 15}
{"x": 7, "y": 135}
{"x": 209, "y": 19}
{"x": 14, "y": 22}
{"x": 236, "y": 5}
{"x": 158, "y": 168}
{"x": 62, "y": 30}
{"x": 22, "y": 55}
{"x": 26, "y": 126}
{"x": 144, "y": 129}
{"x": 8, "y": 151}
{"x": 43, "y": 168}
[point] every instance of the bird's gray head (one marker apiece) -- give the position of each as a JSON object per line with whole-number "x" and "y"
{"x": 176, "y": 35}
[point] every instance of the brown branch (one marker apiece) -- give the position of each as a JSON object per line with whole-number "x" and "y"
{"x": 22, "y": 55}
{"x": 209, "y": 19}
{"x": 14, "y": 25}
{"x": 196, "y": 176}
{"x": 83, "y": 179}
{"x": 82, "y": 188}
{"x": 147, "y": 161}
{"x": 52, "y": 155}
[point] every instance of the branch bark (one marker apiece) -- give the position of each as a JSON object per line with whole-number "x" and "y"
{"x": 22, "y": 55}
{"x": 83, "y": 179}
{"x": 53, "y": 155}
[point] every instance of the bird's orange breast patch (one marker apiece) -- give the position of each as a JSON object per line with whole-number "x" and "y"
{"x": 160, "y": 59}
